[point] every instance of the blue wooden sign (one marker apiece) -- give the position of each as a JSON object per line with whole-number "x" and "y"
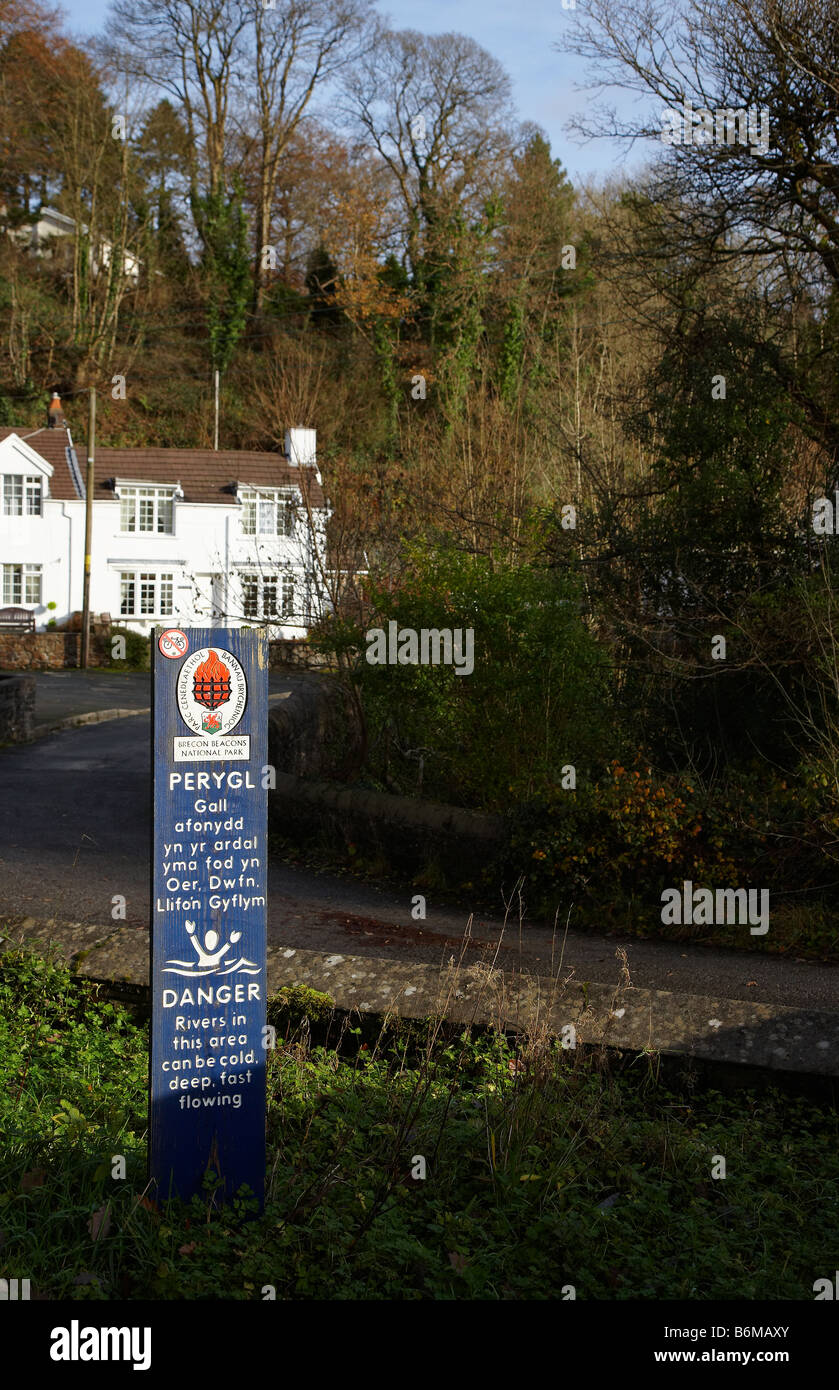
{"x": 208, "y": 910}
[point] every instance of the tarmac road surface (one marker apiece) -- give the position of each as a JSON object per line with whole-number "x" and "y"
{"x": 74, "y": 832}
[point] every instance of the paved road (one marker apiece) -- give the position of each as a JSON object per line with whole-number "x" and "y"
{"x": 74, "y": 831}
{"x": 60, "y": 694}
{"x": 63, "y": 694}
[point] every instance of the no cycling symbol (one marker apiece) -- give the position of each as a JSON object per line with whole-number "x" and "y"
{"x": 173, "y": 642}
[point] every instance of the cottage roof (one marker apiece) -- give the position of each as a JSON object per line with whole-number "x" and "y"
{"x": 54, "y": 446}
{"x": 205, "y": 475}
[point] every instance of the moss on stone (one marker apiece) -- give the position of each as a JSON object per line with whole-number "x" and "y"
{"x": 293, "y": 1003}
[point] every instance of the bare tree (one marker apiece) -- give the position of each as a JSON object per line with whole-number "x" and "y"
{"x": 243, "y": 76}
{"x": 437, "y": 111}
{"x": 293, "y": 49}
{"x": 746, "y": 113}
{"x": 189, "y": 49}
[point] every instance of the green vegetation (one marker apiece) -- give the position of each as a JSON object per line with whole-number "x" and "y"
{"x": 137, "y": 649}
{"x": 538, "y": 696}
{"x": 589, "y": 423}
{"x": 545, "y": 1168}
{"x": 614, "y": 846}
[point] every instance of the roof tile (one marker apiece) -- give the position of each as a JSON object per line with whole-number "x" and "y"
{"x": 52, "y": 445}
{"x": 205, "y": 475}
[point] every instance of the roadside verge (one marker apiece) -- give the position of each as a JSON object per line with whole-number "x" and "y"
{"x": 786, "y": 1042}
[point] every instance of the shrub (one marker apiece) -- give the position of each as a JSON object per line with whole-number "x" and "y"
{"x": 137, "y": 649}
{"x": 537, "y": 699}
{"x": 626, "y": 837}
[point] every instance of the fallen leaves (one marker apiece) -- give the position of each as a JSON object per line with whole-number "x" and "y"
{"x": 100, "y": 1222}
{"x": 35, "y": 1178}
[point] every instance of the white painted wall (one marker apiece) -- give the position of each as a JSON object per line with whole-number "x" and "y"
{"x": 46, "y": 540}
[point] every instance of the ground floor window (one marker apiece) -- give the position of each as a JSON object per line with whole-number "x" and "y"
{"x": 267, "y": 596}
{"x": 145, "y": 594}
{"x": 22, "y": 583}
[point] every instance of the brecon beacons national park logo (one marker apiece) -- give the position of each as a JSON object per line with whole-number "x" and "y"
{"x": 212, "y": 693}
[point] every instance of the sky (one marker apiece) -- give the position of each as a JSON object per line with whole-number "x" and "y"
{"x": 520, "y": 34}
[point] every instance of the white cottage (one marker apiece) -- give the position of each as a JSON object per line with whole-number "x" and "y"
{"x": 44, "y": 237}
{"x": 180, "y": 536}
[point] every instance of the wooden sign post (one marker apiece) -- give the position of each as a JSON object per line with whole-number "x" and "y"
{"x": 208, "y": 910}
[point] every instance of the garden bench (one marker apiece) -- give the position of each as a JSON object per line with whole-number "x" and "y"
{"x": 16, "y": 620}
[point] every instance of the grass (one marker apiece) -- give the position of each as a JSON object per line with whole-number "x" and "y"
{"x": 544, "y": 1168}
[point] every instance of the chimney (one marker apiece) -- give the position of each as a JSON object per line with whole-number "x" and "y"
{"x": 301, "y": 447}
{"x": 55, "y": 415}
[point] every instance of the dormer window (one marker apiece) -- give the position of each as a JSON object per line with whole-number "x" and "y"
{"x": 22, "y": 496}
{"x": 148, "y": 509}
{"x": 267, "y": 513}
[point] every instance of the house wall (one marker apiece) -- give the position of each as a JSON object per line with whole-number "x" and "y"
{"x": 204, "y": 554}
{"x": 48, "y": 540}
{"x": 43, "y": 236}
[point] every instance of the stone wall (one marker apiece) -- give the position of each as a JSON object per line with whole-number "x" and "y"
{"x": 49, "y": 651}
{"x": 312, "y": 733}
{"x": 315, "y": 747}
{"x": 412, "y": 837}
{"x": 296, "y": 652}
{"x": 17, "y": 708}
{"x": 53, "y": 651}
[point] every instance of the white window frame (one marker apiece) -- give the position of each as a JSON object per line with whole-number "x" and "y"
{"x": 143, "y": 586}
{"x": 24, "y": 499}
{"x": 137, "y": 500}
{"x": 28, "y": 580}
{"x": 283, "y": 588}
{"x": 268, "y": 512}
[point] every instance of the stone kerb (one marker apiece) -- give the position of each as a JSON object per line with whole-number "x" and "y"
{"x": 780, "y": 1041}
